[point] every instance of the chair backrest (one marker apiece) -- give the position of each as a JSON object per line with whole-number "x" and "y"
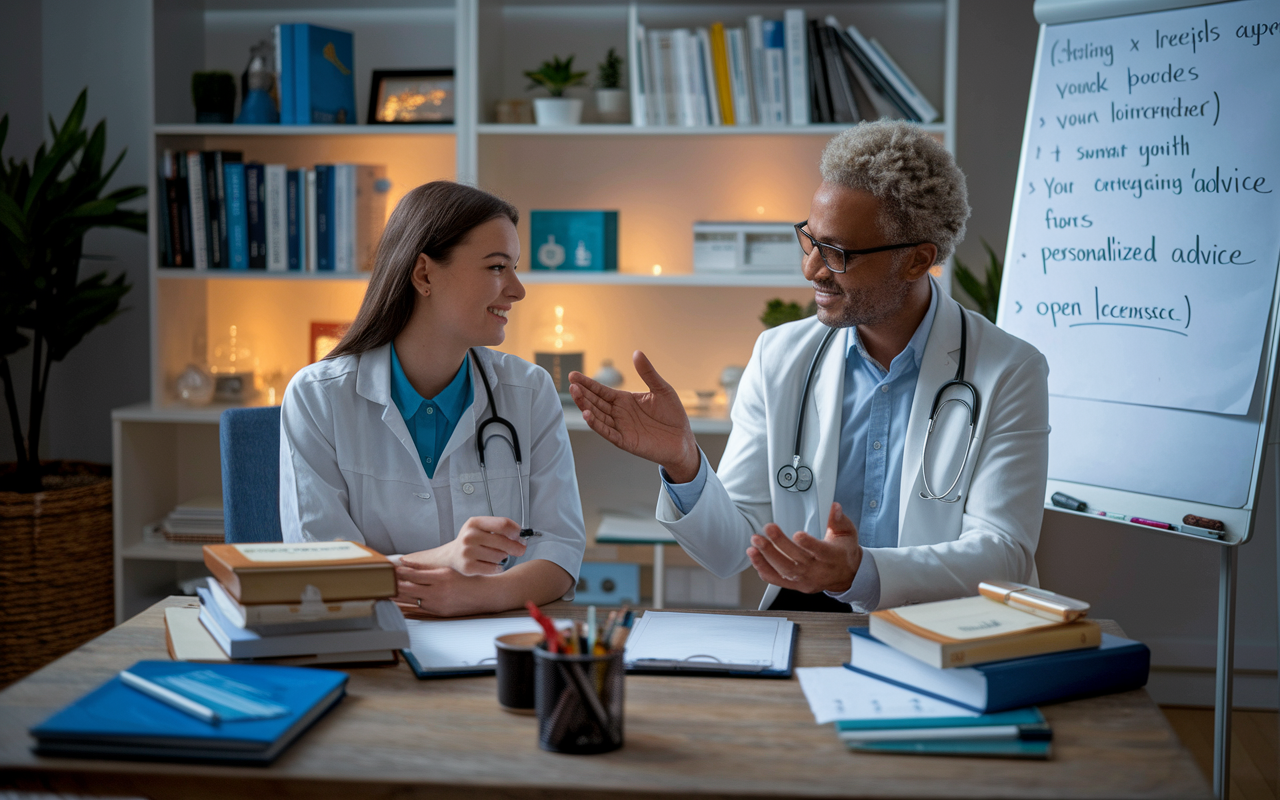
{"x": 249, "y": 439}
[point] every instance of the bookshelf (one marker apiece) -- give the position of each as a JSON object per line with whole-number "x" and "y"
{"x": 660, "y": 179}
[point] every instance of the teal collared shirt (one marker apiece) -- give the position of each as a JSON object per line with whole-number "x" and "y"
{"x": 431, "y": 422}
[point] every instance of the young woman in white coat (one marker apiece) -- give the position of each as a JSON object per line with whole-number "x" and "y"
{"x": 379, "y": 442}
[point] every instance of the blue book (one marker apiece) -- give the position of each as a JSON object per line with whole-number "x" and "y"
{"x": 237, "y": 219}
{"x": 1024, "y": 723}
{"x": 1117, "y": 665}
{"x": 295, "y": 216}
{"x": 286, "y": 69}
{"x": 326, "y": 243}
{"x": 324, "y": 76}
{"x": 585, "y": 241}
{"x": 263, "y": 709}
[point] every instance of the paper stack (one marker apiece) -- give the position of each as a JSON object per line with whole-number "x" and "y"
{"x": 196, "y": 521}
{"x": 323, "y": 602}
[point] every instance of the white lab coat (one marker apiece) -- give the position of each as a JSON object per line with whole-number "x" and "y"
{"x": 349, "y": 469}
{"x": 944, "y": 549}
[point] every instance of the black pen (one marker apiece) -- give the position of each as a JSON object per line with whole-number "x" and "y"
{"x": 526, "y": 533}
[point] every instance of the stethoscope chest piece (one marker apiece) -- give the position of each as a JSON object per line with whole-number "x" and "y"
{"x": 795, "y": 478}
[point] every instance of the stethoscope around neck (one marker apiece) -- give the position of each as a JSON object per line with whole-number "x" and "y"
{"x": 514, "y": 444}
{"x": 796, "y": 477}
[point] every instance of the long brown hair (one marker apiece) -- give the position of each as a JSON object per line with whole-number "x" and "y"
{"x": 432, "y": 219}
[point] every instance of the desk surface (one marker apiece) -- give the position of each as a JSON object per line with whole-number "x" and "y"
{"x": 394, "y": 735}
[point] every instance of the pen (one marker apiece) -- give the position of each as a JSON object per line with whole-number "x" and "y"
{"x": 1063, "y": 500}
{"x": 526, "y": 533}
{"x": 1112, "y": 515}
{"x": 1151, "y": 523}
{"x": 591, "y": 629}
{"x": 170, "y": 698}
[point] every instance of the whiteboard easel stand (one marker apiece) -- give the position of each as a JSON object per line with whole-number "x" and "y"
{"x": 1226, "y": 662}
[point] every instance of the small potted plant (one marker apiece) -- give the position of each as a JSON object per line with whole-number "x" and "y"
{"x": 611, "y": 98}
{"x": 555, "y": 76}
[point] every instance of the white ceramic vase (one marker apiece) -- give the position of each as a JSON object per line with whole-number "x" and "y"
{"x": 557, "y": 110}
{"x": 611, "y": 104}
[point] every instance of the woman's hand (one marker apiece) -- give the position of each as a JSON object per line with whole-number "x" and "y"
{"x": 479, "y": 549}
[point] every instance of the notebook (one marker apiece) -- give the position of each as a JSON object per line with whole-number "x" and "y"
{"x": 116, "y": 721}
{"x": 712, "y": 644}
{"x": 461, "y": 647}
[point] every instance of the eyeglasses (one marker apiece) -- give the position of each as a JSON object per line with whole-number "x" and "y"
{"x": 836, "y": 258}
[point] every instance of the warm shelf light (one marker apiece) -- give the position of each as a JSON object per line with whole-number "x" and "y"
{"x": 760, "y": 210}
{"x": 657, "y": 269}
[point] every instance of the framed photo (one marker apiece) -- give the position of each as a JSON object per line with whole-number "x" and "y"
{"x": 411, "y": 97}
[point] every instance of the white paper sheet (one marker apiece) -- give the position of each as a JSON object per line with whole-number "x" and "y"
{"x": 837, "y": 693}
{"x": 464, "y": 643}
{"x": 713, "y": 640}
{"x": 1143, "y": 249}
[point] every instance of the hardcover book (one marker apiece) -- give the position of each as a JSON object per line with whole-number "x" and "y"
{"x": 974, "y": 630}
{"x": 324, "y": 76}
{"x": 1116, "y": 665}
{"x": 280, "y": 572}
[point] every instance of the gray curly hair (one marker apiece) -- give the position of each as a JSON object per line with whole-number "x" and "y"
{"x": 922, "y": 192}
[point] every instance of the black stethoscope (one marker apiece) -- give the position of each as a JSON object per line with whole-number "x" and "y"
{"x": 514, "y": 444}
{"x": 795, "y": 477}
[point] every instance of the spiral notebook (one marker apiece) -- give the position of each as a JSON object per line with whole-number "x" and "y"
{"x": 712, "y": 644}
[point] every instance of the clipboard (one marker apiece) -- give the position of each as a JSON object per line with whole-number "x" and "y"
{"x": 690, "y": 667}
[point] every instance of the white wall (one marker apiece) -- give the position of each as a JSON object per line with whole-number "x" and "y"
{"x": 106, "y": 47}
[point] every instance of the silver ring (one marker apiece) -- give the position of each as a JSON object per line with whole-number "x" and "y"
{"x": 419, "y": 602}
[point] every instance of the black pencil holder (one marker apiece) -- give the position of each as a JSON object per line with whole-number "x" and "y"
{"x": 579, "y": 701}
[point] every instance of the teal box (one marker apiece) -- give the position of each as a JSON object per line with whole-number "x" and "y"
{"x": 583, "y": 241}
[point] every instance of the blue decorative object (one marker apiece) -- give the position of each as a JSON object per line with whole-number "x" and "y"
{"x": 584, "y": 241}
{"x": 608, "y": 584}
{"x": 258, "y": 109}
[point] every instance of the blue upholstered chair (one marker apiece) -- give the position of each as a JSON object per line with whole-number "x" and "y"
{"x": 249, "y": 439}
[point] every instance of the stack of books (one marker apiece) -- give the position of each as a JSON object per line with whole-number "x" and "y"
{"x": 1011, "y": 647}
{"x": 219, "y": 212}
{"x": 196, "y": 521}
{"x": 790, "y": 71}
{"x": 315, "y": 68}
{"x": 313, "y": 602}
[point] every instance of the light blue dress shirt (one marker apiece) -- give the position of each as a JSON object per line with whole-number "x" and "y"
{"x": 873, "y": 433}
{"x": 431, "y": 422}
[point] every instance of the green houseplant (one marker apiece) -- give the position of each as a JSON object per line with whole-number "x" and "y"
{"x": 55, "y": 517}
{"x": 984, "y": 293}
{"x": 555, "y": 76}
{"x": 611, "y": 98}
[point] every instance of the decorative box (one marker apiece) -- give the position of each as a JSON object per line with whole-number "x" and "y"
{"x": 746, "y": 247}
{"x": 585, "y": 241}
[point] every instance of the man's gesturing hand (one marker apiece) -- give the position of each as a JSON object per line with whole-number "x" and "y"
{"x": 652, "y": 425}
{"x": 806, "y": 564}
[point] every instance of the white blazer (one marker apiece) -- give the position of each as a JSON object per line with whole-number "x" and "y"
{"x": 944, "y": 549}
{"x": 349, "y": 469}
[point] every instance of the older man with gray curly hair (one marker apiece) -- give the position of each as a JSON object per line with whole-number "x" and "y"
{"x": 902, "y": 439}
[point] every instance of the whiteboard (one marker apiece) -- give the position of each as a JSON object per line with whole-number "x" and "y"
{"x": 1143, "y": 252}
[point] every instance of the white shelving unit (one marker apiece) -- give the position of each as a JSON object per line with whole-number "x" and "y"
{"x": 660, "y": 179}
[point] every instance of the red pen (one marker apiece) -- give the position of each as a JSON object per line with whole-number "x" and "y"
{"x": 548, "y": 627}
{"x": 1151, "y": 523}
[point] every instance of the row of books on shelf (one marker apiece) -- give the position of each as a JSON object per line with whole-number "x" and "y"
{"x": 217, "y": 211}
{"x": 792, "y": 71}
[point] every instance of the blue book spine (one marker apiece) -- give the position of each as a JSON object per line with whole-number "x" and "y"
{"x": 325, "y": 209}
{"x": 301, "y": 76}
{"x": 295, "y": 186}
{"x": 284, "y": 56}
{"x": 237, "y": 219}
{"x": 327, "y": 89}
{"x": 255, "y": 195}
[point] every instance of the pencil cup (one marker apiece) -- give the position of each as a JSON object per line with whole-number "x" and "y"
{"x": 515, "y": 671}
{"x": 580, "y": 701}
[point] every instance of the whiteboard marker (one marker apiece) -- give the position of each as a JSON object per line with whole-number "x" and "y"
{"x": 1113, "y": 515}
{"x": 1151, "y": 523}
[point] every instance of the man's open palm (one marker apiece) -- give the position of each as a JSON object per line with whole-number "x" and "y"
{"x": 652, "y": 425}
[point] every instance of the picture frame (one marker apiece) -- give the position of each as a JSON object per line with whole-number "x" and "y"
{"x": 411, "y": 97}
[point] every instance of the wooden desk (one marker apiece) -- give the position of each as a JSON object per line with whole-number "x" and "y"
{"x": 396, "y": 736}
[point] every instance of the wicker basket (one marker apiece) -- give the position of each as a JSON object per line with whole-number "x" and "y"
{"x": 56, "y": 571}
